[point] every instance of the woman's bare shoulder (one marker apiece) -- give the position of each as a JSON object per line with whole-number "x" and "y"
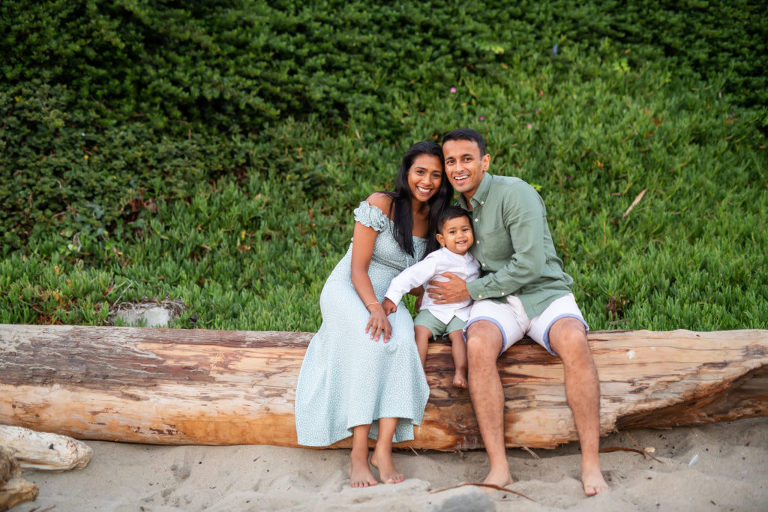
{"x": 381, "y": 200}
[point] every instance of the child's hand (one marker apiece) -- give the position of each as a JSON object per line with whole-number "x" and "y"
{"x": 389, "y": 306}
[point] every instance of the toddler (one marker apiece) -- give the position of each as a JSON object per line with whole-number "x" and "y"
{"x": 455, "y": 236}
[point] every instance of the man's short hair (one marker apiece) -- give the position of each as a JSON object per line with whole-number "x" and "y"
{"x": 452, "y": 212}
{"x": 466, "y": 134}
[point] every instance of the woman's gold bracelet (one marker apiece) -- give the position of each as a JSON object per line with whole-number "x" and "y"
{"x": 372, "y": 303}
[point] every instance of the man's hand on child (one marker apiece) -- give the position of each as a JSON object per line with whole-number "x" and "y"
{"x": 445, "y": 292}
{"x": 389, "y": 306}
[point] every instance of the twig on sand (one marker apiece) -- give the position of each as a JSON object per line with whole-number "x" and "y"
{"x": 610, "y": 449}
{"x": 533, "y": 454}
{"x": 490, "y": 486}
{"x": 634, "y": 441}
{"x": 641, "y": 448}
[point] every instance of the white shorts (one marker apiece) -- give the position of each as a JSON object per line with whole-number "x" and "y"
{"x": 513, "y": 323}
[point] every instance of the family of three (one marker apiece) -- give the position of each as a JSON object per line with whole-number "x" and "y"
{"x": 496, "y": 279}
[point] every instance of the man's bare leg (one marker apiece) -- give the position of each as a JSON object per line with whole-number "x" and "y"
{"x": 382, "y": 454}
{"x": 359, "y": 472}
{"x": 422, "y": 341}
{"x": 484, "y": 343}
{"x": 459, "y": 353}
{"x": 582, "y": 389}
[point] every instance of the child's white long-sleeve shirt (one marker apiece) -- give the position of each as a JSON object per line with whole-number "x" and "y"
{"x": 435, "y": 263}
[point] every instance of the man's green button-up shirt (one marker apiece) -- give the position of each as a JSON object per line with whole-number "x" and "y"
{"x": 514, "y": 246}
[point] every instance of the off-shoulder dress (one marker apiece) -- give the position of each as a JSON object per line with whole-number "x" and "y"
{"x": 346, "y": 378}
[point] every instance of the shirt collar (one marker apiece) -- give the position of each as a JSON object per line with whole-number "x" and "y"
{"x": 480, "y": 194}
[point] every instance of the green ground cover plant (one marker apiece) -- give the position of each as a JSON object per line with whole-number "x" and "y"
{"x": 213, "y": 152}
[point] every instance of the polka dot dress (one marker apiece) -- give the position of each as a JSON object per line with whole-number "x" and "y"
{"x": 347, "y": 379}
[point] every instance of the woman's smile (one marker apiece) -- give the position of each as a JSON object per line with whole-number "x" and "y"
{"x": 425, "y": 177}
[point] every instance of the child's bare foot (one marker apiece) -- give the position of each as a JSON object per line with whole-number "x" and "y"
{"x": 359, "y": 472}
{"x": 593, "y": 481}
{"x": 460, "y": 379}
{"x": 386, "y": 467}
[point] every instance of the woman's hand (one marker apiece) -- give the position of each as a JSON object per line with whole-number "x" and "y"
{"x": 389, "y": 306}
{"x": 378, "y": 323}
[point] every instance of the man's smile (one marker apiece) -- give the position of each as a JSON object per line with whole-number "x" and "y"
{"x": 460, "y": 178}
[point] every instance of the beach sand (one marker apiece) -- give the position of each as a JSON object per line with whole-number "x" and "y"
{"x": 719, "y": 467}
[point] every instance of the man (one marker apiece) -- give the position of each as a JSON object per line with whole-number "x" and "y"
{"x": 523, "y": 290}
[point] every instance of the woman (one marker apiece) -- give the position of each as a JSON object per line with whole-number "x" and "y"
{"x": 362, "y": 374}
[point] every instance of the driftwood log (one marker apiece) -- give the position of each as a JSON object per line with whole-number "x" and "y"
{"x": 13, "y": 488}
{"x": 44, "y": 451}
{"x": 8, "y": 465}
{"x": 171, "y": 386}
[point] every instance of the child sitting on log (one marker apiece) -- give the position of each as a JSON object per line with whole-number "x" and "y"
{"x": 454, "y": 234}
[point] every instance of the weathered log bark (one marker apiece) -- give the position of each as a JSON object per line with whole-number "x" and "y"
{"x": 13, "y": 488}
{"x": 16, "y": 490}
{"x": 44, "y": 451}
{"x": 170, "y": 386}
{"x": 8, "y": 465}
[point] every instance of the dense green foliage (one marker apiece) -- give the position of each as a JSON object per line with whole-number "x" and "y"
{"x": 213, "y": 151}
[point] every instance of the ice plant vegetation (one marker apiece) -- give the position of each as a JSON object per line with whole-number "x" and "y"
{"x": 212, "y": 154}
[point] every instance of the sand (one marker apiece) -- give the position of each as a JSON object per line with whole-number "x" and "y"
{"x": 720, "y": 467}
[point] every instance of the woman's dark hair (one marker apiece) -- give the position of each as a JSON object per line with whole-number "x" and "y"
{"x": 400, "y": 209}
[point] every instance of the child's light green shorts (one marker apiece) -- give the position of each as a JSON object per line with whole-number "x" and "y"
{"x": 435, "y": 326}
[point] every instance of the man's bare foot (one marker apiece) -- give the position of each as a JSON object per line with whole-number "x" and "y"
{"x": 460, "y": 379}
{"x": 593, "y": 481}
{"x": 386, "y": 467}
{"x": 500, "y": 477}
{"x": 359, "y": 472}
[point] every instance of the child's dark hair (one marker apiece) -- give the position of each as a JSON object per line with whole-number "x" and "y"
{"x": 452, "y": 212}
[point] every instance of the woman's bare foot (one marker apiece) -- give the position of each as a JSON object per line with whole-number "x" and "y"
{"x": 593, "y": 481}
{"x": 359, "y": 472}
{"x": 500, "y": 477}
{"x": 386, "y": 467}
{"x": 460, "y": 378}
